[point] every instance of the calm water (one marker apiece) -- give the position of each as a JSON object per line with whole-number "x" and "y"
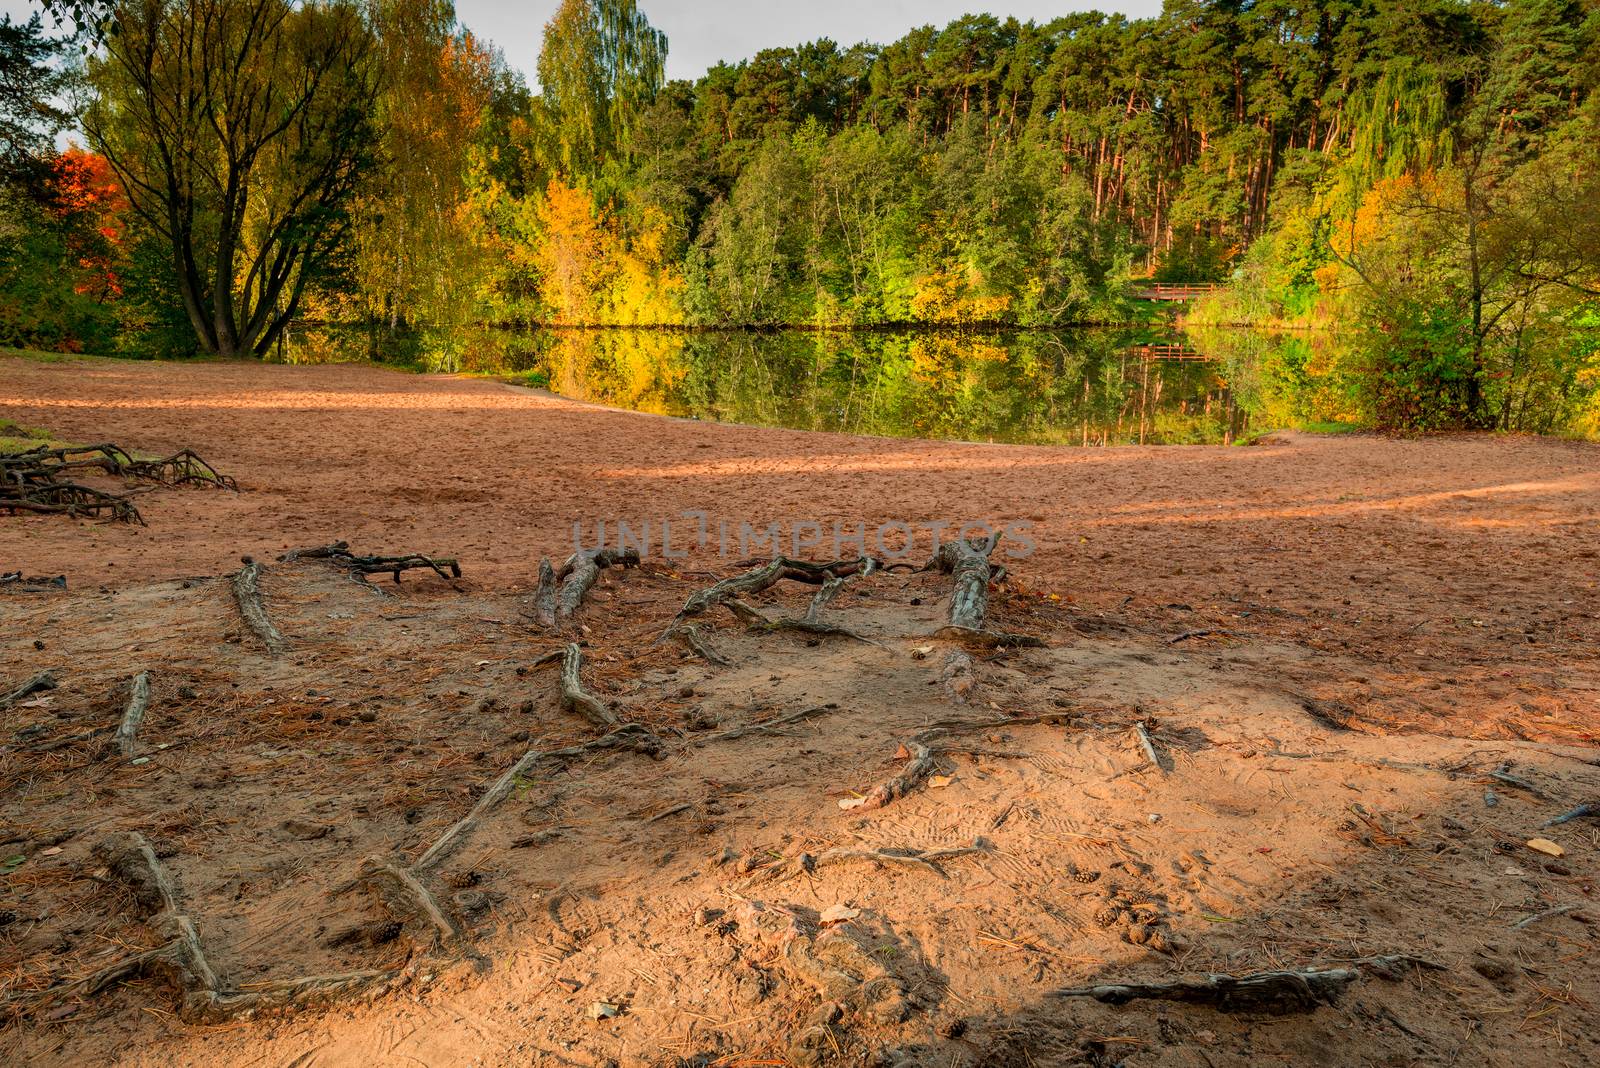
{"x": 1080, "y": 387}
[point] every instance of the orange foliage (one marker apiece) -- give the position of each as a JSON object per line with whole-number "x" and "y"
{"x": 86, "y": 192}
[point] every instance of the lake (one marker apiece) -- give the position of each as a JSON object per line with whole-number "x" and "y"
{"x": 1090, "y": 386}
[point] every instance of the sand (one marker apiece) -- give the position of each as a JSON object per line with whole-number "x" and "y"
{"x": 1333, "y": 641}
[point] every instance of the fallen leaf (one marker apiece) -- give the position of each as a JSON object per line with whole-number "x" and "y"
{"x": 1544, "y": 845}
{"x": 939, "y": 782}
{"x": 51, "y": 852}
{"x": 851, "y": 802}
{"x": 839, "y": 913}
{"x": 603, "y": 1010}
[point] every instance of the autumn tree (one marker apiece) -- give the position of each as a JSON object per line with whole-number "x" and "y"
{"x": 240, "y": 130}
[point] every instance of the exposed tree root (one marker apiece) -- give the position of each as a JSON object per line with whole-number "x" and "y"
{"x": 768, "y": 575}
{"x": 957, "y": 676}
{"x": 918, "y": 766}
{"x": 133, "y": 714}
{"x": 45, "y": 680}
{"x": 771, "y": 726}
{"x": 40, "y": 481}
{"x": 1276, "y": 992}
{"x": 574, "y": 698}
{"x": 966, "y": 560}
{"x": 922, "y": 753}
{"x": 544, "y": 595}
{"x": 69, "y": 498}
{"x": 906, "y": 858}
{"x": 810, "y": 626}
{"x": 630, "y": 736}
{"x": 1142, "y": 734}
{"x": 32, "y": 583}
{"x": 1591, "y": 809}
{"x": 359, "y": 567}
{"x": 413, "y": 904}
{"x": 690, "y": 635}
{"x": 990, "y": 639}
{"x": 581, "y": 571}
{"x": 247, "y": 591}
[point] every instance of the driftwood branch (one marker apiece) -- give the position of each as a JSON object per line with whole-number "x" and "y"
{"x": 247, "y": 592}
{"x": 133, "y": 714}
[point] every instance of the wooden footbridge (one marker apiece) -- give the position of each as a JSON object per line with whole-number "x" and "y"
{"x": 1175, "y": 291}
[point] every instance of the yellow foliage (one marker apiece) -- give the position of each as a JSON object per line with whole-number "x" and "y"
{"x": 591, "y": 274}
{"x": 945, "y": 297}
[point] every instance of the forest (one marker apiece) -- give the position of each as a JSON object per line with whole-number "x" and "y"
{"x": 341, "y": 179}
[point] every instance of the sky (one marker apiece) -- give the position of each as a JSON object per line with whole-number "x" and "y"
{"x": 702, "y": 32}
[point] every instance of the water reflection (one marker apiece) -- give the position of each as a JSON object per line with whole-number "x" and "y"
{"x": 1082, "y": 387}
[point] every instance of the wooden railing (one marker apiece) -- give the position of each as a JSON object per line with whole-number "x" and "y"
{"x": 1179, "y": 291}
{"x": 1168, "y": 352}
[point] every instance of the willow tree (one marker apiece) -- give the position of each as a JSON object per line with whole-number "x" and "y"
{"x": 239, "y": 129}
{"x": 600, "y": 66}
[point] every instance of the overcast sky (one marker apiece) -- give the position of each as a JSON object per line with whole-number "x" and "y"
{"x": 701, "y": 32}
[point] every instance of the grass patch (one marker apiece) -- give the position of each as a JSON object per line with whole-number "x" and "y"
{"x": 17, "y": 438}
{"x": 41, "y": 356}
{"x": 530, "y": 379}
{"x": 1330, "y": 428}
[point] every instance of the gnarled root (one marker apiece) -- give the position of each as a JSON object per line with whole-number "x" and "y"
{"x": 770, "y": 574}
{"x": 359, "y": 567}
